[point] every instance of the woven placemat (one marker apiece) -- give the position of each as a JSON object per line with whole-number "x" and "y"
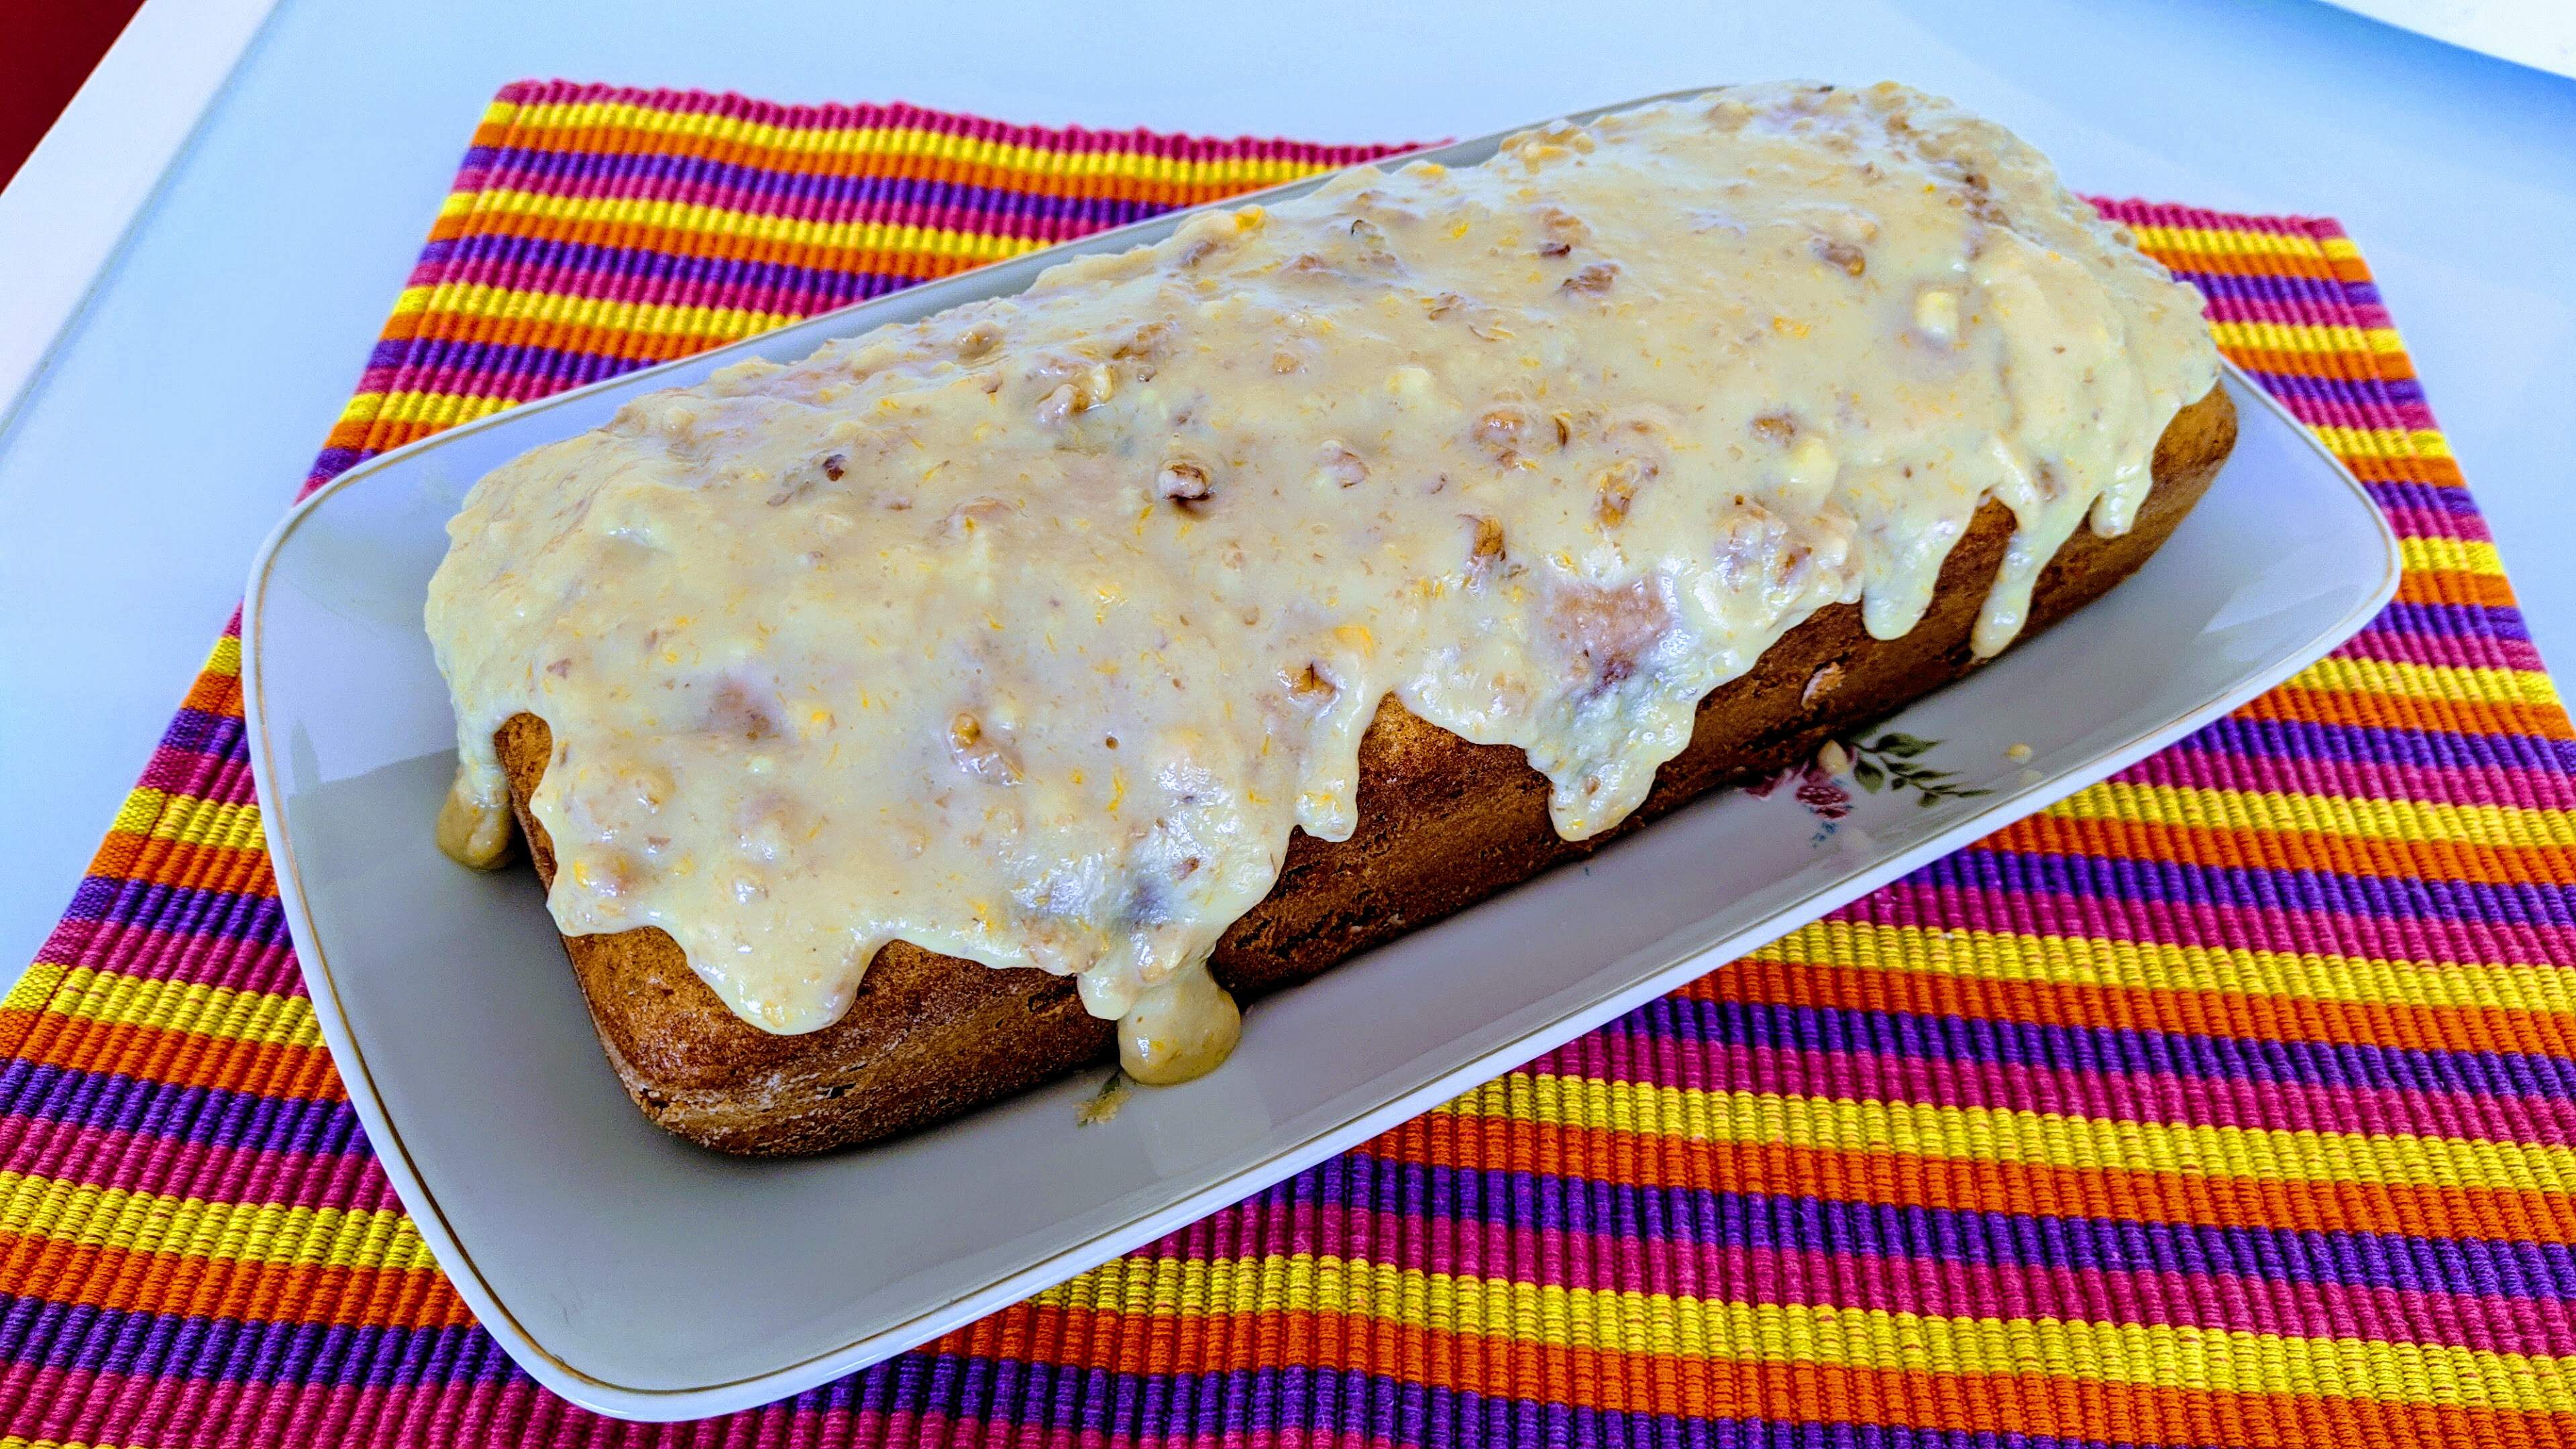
{"x": 2229, "y": 1102}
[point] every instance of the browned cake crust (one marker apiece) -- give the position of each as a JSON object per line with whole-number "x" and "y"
{"x": 1442, "y": 825}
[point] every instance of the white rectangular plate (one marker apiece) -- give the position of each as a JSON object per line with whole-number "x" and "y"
{"x": 644, "y": 1278}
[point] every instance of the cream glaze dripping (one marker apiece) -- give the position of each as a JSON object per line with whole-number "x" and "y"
{"x": 1026, "y": 633}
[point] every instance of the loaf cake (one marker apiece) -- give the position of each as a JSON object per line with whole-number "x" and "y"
{"x": 989, "y": 695}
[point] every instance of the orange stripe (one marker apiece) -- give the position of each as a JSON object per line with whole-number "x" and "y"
{"x": 127, "y": 856}
{"x": 2014, "y": 1398}
{"x": 2384, "y": 711}
{"x": 634, "y": 343}
{"x": 2238, "y": 264}
{"x": 731, "y": 245}
{"x": 173, "y": 1283}
{"x": 2225, "y": 848}
{"x": 2447, "y": 586}
{"x": 215, "y": 694}
{"x": 2182, "y": 1011}
{"x": 2342, "y": 364}
{"x": 181, "y": 1058}
{"x": 1468, "y": 1141}
{"x": 2438, "y": 470}
{"x": 624, "y": 141}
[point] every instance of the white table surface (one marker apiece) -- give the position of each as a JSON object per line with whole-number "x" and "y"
{"x": 187, "y": 400}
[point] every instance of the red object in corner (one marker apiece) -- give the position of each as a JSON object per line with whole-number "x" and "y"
{"x": 47, "y": 48}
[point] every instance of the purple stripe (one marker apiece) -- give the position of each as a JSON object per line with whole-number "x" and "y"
{"x": 2187, "y": 1071}
{"x": 2453, "y": 621}
{"x": 1769, "y": 1067}
{"x": 41, "y": 1333}
{"x": 2522, "y": 767}
{"x": 2321, "y": 403}
{"x": 230, "y": 915}
{"x": 864, "y": 197}
{"x": 2467, "y": 905}
{"x": 2292, "y": 301}
{"x": 200, "y": 1116}
{"x": 619, "y": 273}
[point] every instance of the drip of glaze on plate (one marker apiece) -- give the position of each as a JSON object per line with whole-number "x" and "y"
{"x": 1028, "y": 632}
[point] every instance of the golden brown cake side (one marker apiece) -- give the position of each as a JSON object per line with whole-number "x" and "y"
{"x": 1443, "y": 824}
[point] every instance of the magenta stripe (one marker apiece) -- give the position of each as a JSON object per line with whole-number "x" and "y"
{"x": 179, "y": 1167}
{"x": 2161, "y": 1097}
{"x": 2195, "y": 764}
{"x": 1893, "y": 1281}
{"x": 2458, "y": 650}
{"x": 1918, "y": 901}
{"x": 2436, "y": 523}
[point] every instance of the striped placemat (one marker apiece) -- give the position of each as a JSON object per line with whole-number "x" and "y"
{"x": 2230, "y": 1102}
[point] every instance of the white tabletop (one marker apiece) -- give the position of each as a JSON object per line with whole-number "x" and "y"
{"x": 187, "y": 401}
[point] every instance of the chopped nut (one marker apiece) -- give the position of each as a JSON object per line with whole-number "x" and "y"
{"x": 979, "y": 753}
{"x": 1561, "y": 231}
{"x": 2017, "y": 752}
{"x": 1486, "y": 554}
{"x": 1593, "y": 280}
{"x": 1501, "y": 427}
{"x": 1841, "y": 254}
{"x": 834, "y": 465}
{"x": 1617, "y": 486}
{"x": 1339, "y": 466}
{"x": 1309, "y": 685}
{"x": 1833, "y": 759}
{"x": 1820, "y": 684}
{"x": 1776, "y": 427}
{"x": 1183, "y": 481}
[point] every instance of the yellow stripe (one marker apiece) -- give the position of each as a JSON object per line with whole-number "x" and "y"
{"x": 143, "y": 1222}
{"x": 670, "y": 215}
{"x": 2005, "y": 956}
{"x": 35, "y": 987}
{"x": 2223, "y": 241}
{"x": 189, "y": 819}
{"x": 442, "y": 409}
{"x": 215, "y": 1011}
{"x": 2363, "y": 675}
{"x": 14, "y": 1441}
{"x": 2009, "y": 1135}
{"x": 2427, "y": 553}
{"x": 2304, "y": 337}
{"x": 561, "y": 309}
{"x": 1738, "y": 1331}
{"x": 225, "y": 659}
{"x": 2382, "y": 442}
{"x": 912, "y": 141}
{"x": 2398, "y": 820}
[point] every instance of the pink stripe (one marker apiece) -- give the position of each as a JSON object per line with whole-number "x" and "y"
{"x": 146, "y": 1162}
{"x": 2197, "y": 764}
{"x": 1898, "y": 1282}
{"x": 1922, "y": 902}
{"x": 235, "y": 963}
{"x": 2294, "y": 314}
{"x": 2436, "y": 523}
{"x": 2475, "y": 651}
{"x": 193, "y": 1413}
{"x": 2146, "y": 1097}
